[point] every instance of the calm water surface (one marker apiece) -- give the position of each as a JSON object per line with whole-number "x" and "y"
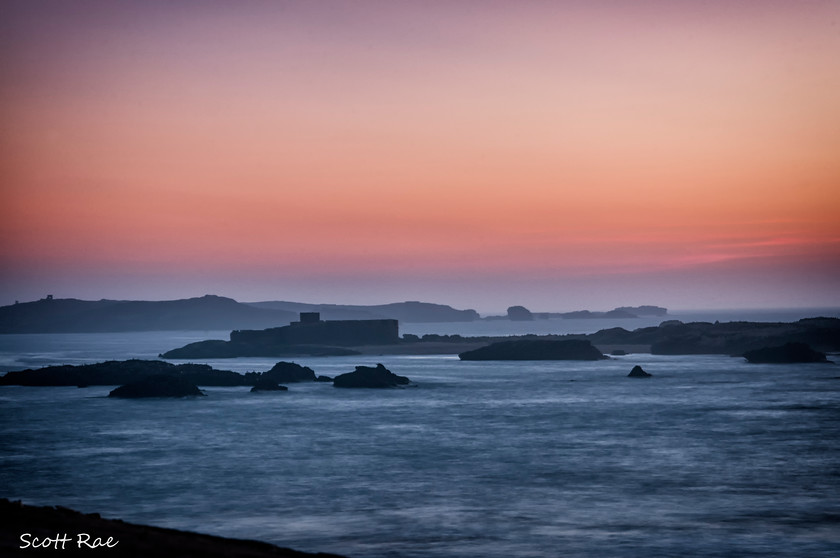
{"x": 710, "y": 457}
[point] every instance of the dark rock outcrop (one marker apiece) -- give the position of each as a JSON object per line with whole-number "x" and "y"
{"x": 289, "y": 372}
{"x": 788, "y": 353}
{"x": 519, "y": 314}
{"x": 325, "y": 379}
{"x": 536, "y": 349}
{"x": 638, "y": 372}
{"x": 216, "y": 348}
{"x": 133, "y": 540}
{"x": 737, "y": 338}
{"x": 160, "y": 385}
{"x": 114, "y": 373}
{"x": 370, "y": 377}
{"x": 265, "y": 383}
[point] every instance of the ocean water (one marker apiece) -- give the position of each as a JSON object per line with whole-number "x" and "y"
{"x": 710, "y": 457}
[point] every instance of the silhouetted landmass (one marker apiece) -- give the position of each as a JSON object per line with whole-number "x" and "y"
{"x": 311, "y": 336}
{"x": 536, "y": 349}
{"x": 519, "y": 314}
{"x": 786, "y": 354}
{"x": 132, "y": 540}
{"x": 209, "y": 312}
{"x": 407, "y": 312}
{"x": 216, "y": 348}
{"x": 370, "y": 377}
{"x": 587, "y": 315}
{"x": 638, "y": 372}
{"x": 161, "y": 385}
{"x": 112, "y": 373}
{"x": 70, "y": 315}
{"x": 671, "y": 337}
{"x": 736, "y": 338}
{"x": 644, "y": 310}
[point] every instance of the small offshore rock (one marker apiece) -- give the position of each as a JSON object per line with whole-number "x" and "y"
{"x": 370, "y": 377}
{"x": 288, "y": 372}
{"x": 267, "y": 384}
{"x": 638, "y": 372}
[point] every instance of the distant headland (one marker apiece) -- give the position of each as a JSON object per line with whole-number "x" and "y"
{"x": 210, "y": 312}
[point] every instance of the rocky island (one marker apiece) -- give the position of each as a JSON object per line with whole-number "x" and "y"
{"x": 536, "y": 349}
{"x": 160, "y": 385}
{"x": 154, "y": 378}
{"x": 308, "y": 336}
{"x": 370, "y": 377}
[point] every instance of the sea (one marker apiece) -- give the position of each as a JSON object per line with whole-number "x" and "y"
{"x": 711, "y": 456}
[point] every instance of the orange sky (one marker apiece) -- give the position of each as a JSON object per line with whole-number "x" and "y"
{"x": 475, "y": 153}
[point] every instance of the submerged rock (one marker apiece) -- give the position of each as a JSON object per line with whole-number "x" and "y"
{"x": 638, "y": 372}
{"x": 789, "y": 353}
{"x": 370, "y": 377}
{"x": 161, "y": 385}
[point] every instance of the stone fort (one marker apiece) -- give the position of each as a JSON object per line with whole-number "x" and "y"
{"x": 311, "y": 330}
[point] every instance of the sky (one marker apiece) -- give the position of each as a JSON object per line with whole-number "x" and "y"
{"x": 560, "y": 155}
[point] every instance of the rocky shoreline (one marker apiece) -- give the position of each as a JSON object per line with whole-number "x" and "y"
{"x": 28, "y": 529}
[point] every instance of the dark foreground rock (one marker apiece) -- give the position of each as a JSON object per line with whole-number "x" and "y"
{"x": 536, "y": 349}
{"x": 789, "y": 353}
{"x": 370, "y": 377}
{"x": 638, "y": 372}
{"x": 265, "y": 383}
{"x": 127, "y": 539}
{"x": 161, "y": 385}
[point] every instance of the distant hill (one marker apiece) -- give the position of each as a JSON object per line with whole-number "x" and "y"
{"x": 406, "y": 312}
{"x": 209, "y": 312}
{"x": 71, "y": 315}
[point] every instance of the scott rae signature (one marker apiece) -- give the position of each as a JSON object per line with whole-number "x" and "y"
{"x": 81, "y": 540}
